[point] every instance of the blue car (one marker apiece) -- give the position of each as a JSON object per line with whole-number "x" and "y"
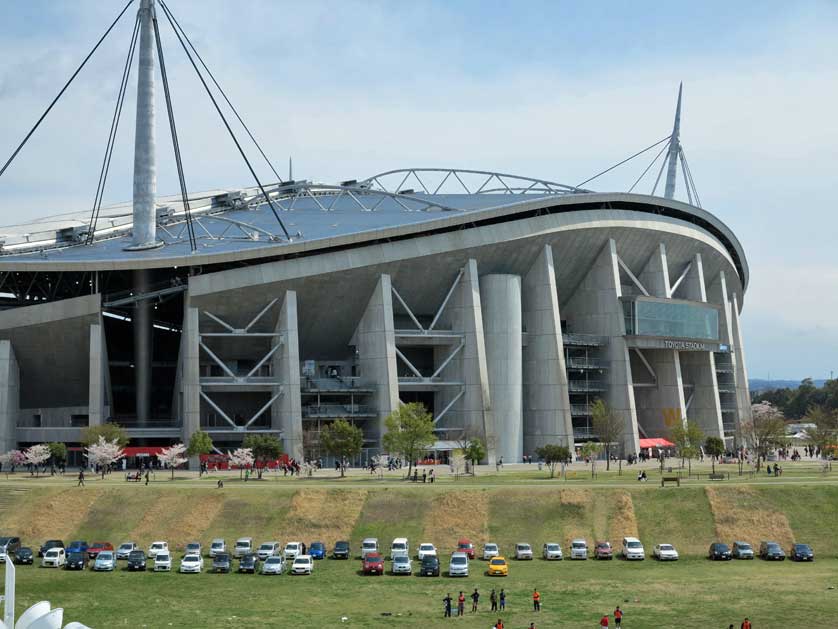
{"x": 77, "y": 547}
{"x": 317, "y": 550}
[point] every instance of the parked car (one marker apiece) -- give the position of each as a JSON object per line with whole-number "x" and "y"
{"x": 221, "y": 562}
{"x": 603, "y": 550}
{"x": 742, "y": 550}
{"x": 551, "y": 551}
{"x": 75, "y": 561}
{"x": 317, "y": 550}
{"x": 243, "y": 546}
{"x": 498, "y": 567}
{"x": 490, "y": 549}
{"x": 373, "y": 563}
{"x": 54, "y": 557}
{"x": 458, "y": 566}
{"x": 292, "y": 549}
{"x": 98, "y": 547}
{"x": 217, "y": 546}
{"x": 665, "y": 552}
{"x": 426, "y": 550}
{"x": 523, "y": 551}
{"x": 341, "y": 550}
{"x": 369, "y": 546}
{"x": 249, "y": 563}
{"x": 771, "y": 551}
{"x": 402, "y": 565}
{"x": 137, "y": 560}
{"x": 268, "y": 549}
{"x": 429, "y": 566}
{"x": 24, "y": 556}
{"x": 579, "y": 549}
{"x": 77, "y": 547}
{"x": 158, "y": 547}
{"x": 399, "y": 547}
{"x": 163, "y": 561}
{"x": 719, "y": 552}
{"x": 801, "y": 552}
{"x": 633, "y": 549}
{"x": 8, "y": 547}
{"x": 274, "y": 564}
{"x": 51, "y": 543}
{"x": 464, "y": 545}
{"x": 125, "y": 549}
{"x": 303, "y": 564}
{"x": 193, "y": 548}
{"x": 192, "y": 563}
{"x": 105, "y": 561}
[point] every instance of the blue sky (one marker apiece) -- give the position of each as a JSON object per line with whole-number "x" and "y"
{"x": 558, "y": 90}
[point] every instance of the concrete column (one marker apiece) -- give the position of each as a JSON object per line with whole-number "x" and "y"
{"x": 143, "y": 347}
{"x": 692, "y": 286}
{"x": 547, "y": 418}
{"x": 190, "y": 384}
{"x": 97, "y": 375}
{"x": 743, "y": 394}
{"x": 595, "y": 308}
{"x": 699, "y": 369}
{"x": 655, "y": 274}
{"x": 9, "y": 396}
{"x": 717, "y": 294}
{"x": 286, "y": 412}
{"x": 375, "y": 342}
{"x": 500, "y": 299}
{"x": 661, "y": 407}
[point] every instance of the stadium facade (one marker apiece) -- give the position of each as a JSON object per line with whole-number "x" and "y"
{"x": 505, "y": 304}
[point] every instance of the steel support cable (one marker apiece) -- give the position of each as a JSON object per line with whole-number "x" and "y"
{"x": 608, "y": 170}
{"x": 226, "y": 124}
{"x": 117, "y": 114}
{"x": 224, "y": 94}
{"x": 175, "y": 144}
{"x": 652, "y": 163}
{"x": 660, "y": 172}
{"x": 64, "y": 89}
{"x": 690, "y": 176}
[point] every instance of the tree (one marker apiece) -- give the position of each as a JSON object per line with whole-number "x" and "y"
{"x": 110, "y": 432}
{"x": 714, "y": 447}
{"x": 104, "y": 453}
{"x": 410, "y": 431}
{"x": 241, "y": 458}
{"x": 590, "y": 450}
{"x": 199, "y": 443}
{"x": 608, "y": 426}
{"x": 37, "y": 455}
{"x": 265, "y": 448}
{"x": 825, "y": 432}
{"x": 343, "y": 441}
{"x": 13, "y": 458}
{"x": 553, "y": 455}
{"x": 687, "y": 437}
{"x": 765, "y": 430}
{"x": 173, "y": 457}
{"x": 58, "y": 452}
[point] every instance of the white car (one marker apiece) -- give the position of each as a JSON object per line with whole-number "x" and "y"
{"x": 369, "y": 545}
{"x": 105, "y": 561}
{"x": 268, "y": 549}
{"x": 552, "y": 551}
{"x": 193, "y": 548}
{"x": 158, "y": 547}
{"x": 217, "y": 546}
{"x": 244, "y": 546}
{"x": 292, "y": 549}
{"x": 665, "y": 552}
{"x": 125, "y": 549}
{"x": 163, "y": 561}
{"x": 192, "y": 563}
{"x": 402, "y": 565}
{"x": 54, "y": 558}
{"x": 426, "y": 550}
{"x": 458, "y": 566}
{"x": 399, "y": 547}
{"x": 633, "y": 549}
{"x": 523, "y": 551}
{"x": 273, "y": 565}
{"x": 303, "y": 564}
{"x": 579, "y": 549}
{"x": 490, "y": 550}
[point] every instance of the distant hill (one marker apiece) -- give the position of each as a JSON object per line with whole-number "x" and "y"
{"x": 757, "y": 384}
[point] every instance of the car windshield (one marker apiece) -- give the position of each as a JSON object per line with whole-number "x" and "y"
{"x": 105, "y": 556}
{"x": 126, "y": 546}
{"x": 193, "y": 546}
{"x": 52, "y": 553}
{"x": 552, "y": 547}
{"x": 635, "y": 545}
{"x": 266, "y": 547}
{"x": 190, "y": 558}
{"x": 399, "y": 546}
{"x": 158, "y": 546}
{"x": 76, "y": 556}
{"x": 4, "y": 540}
{"x": 218, "y": 544}
{"x": 458, "y": 560}
{"x": 273, "y": 560}
{"x": 342, "y": 545}
{"x": 222, "y": 557}
{"x": 369, "y": 545}
{"x": 401, "y": 559}
{"x": 426, "y": 547}
{"x": 162, "y": 557}
{"x": 317, "y": 546}
{"x": 801, "y": 547}
{"x": 523, "y": 546}
{"x": 666, "y": 547}
{"x": 242, "y": 544}
{"x": 498, "y": 562}
{"x": 744, "y": 547}
{"x": 579, "y": 545}
{"x": 721, "y": 547}
{"x": 773, "y": 547}
{"x": 491, "y": 546}
{"x": 301, "y": 560}
{"x": 465, "y": 545}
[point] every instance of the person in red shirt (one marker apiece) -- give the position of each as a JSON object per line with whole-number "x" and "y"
{"x": 604, "y": 621}
{"x": 618, "y": 617}
{"x": 536, "y": 601}
{"x": 746, "y": 624}
{"x": 461, "y": 604}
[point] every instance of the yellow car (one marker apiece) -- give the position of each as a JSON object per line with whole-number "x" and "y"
{"x": 498, "y": 567}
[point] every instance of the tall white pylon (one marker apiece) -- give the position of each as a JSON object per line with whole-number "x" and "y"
{"x": 674, "y": 150}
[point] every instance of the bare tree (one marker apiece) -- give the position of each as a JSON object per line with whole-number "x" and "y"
{"x": 608, "y": 426}
{"x": 765, "y": 430}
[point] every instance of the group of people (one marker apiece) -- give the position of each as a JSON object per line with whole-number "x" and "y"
{"x": 427, "y": 477}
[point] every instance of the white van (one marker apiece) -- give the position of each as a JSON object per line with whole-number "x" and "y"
{"x": 244, "y": 546}
{"x": 369, "y": 545}
{"x": 292, "y": 550}
{"x": 579, "y": 549}
{"x": 54, "y": 558}
{"x": 633, "y": 549}
{"x": 399, "y": 548}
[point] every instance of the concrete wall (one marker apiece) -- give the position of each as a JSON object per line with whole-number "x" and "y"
{"x": 662, "y": 406}
{"x": 9, "y": 396}
{"x": 190, "y": 385}
{"x": 286, "y": 413}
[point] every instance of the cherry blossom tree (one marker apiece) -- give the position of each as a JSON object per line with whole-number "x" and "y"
{"x": 12, "y": 459}
{"x": 173, "y": 457}
{"x": 241, "y": 458}
{"x": 104, "y": 453}
{"x": 37, "y": 455}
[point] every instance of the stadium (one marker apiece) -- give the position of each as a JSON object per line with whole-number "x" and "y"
{"x": 505, "y": 304}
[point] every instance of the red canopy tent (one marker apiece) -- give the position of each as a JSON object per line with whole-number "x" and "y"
{"x": 657, "y": 442}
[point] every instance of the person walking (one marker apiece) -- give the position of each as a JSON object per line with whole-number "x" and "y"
{"x": 447, "y": 602}
{"x": 536, "y": 600}
{"x": 81, "y": 479}
{"x": 147, "y": 475}
{"x": 618, "y": 617}
{"x": 461, "y": 604}
{"x": 493, "y": 599}
{"x": 475, "y": 598}
{"x": 604, "y": 621}
{"x": 502, "y": 599}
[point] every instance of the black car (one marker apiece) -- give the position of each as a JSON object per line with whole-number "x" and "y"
{"x": 430, "y": 566}
{"x": 136, "y": 560}
{"x": 221, "y": 563}
{"x": 341, "y": 550}
{"x": 249, "y": 563}
{"x": 771, "y": 551}
{"x": 24, "y": 555}
{"x": 76, "y": 561}
{"x": 52, "y": 543}
{"x": 719, "y": 552}
{"x": 8, "y": 547}
{"x": 802, "y": 552}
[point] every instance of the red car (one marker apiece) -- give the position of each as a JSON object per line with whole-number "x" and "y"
{"x": 465, "y": 546}
{"x": 98, "y": 547}
{"x": 373, "y": 564}
{"x": 603, "y": 550}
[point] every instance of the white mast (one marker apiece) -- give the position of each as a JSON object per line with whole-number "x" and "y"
{"x": 674, "y": 150}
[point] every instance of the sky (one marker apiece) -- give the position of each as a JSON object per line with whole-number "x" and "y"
{"x": 557, "y": 90}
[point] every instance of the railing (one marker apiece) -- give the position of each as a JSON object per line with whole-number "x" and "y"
{"x": 729, "y": 427}
{"x": 133, "y": 422}
{"x": 582, "y": 340}
{"x": 580, "y": 433}
{"x": 585, "y": 363}
{"x": 729, "y": 408}
{"x": 586, "y": 385}
{"x": 339, "y": 383}
{"x": 337, "y": 410}
{"x": 580, "y": 410}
